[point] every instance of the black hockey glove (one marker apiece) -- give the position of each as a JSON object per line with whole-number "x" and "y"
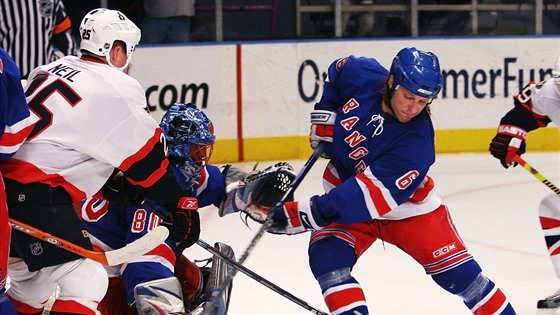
{"x": 511, "y": 136}
{"x": 119, "y": 191}
{"x": 185, "y": 228}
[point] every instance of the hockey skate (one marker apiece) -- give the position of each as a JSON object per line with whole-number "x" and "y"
{"x": 216, "y": 275}
{"x": 552, "y": 301}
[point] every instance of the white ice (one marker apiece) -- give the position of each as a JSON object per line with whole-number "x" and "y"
{"x": 494, "y": 209}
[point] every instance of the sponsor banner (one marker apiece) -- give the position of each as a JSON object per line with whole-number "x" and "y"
{"x": 267, "y": 90}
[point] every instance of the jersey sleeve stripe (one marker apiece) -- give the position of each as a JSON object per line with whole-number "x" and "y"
{"x": 12, "y": 136}
{"x": 422, "y": 192}
{"x": 143, "y": 152}
{"x": 154, "y": 177}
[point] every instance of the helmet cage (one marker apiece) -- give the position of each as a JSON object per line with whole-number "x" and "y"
{"x": 417, "y": 71}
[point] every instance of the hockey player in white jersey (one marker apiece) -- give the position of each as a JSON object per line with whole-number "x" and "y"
{"x": 535, "y": 107}
{"x": 89, "y": 119}
{"x": 164, "y": 280}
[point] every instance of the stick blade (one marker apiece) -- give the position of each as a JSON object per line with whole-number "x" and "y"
{"x": 137, "y": 248}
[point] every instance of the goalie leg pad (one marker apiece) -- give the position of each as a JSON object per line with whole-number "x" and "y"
{"x": 160, "y": 295}
{"x": 218, "y": 273}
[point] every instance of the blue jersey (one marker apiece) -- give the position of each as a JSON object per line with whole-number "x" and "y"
{"x": 113, "y": 227}
{"x": 378, "y": 166}
{"x": 15, "y": 122}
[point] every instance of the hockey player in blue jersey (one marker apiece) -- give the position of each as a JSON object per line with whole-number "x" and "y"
{"x": 164, "y": 279}
{"x": 15, "y": 126}
{"x": 377, "y": 131}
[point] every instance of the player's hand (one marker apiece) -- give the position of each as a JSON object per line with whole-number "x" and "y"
{"x": 296, "y": 217}
{"x": 322, "y": 130}
{"x": 508, "y": 142}
{"x": 119, "y": 191}
{"x": 185, "y": 228}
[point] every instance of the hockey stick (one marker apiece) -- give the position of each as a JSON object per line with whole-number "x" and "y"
{"x": 267, "y": 223}
{"x": 111, "y": 258}
{"x": 251, "y": 274}
{"x": 537, "y": 174}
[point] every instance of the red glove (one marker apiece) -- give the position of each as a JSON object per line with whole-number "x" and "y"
{"x": 509, "y": 142}
{"x": 322, "y": 130}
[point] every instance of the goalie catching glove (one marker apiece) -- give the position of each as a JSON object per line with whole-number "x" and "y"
{"x": 258, "y": 192}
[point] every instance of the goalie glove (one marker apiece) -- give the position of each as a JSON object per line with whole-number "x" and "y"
{"x": 259, "y": 192}
{"x": 322, "y": 130}
{"x": 295, "y": 217}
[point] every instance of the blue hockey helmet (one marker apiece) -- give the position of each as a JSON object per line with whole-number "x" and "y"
{"x": 417, "y": 71}
{"x": 189, "y": 133}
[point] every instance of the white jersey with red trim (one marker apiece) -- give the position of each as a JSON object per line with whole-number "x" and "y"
{"x": 88, "y": 119}
{"x": 546, "y": 99}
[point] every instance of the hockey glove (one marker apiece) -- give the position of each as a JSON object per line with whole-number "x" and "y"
{"x": 119, "y": 191}
{"x": 185, "y": 228}
{"x": 259, "y": 192}
{"x": 322, "y": 130}
{"x": 509, "y": 142}
{"x": 296, "y": 217}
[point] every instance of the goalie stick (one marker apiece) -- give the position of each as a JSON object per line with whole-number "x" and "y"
{"x": 111, "y": 258}
{"x": 267, "y": 223}
{"x": 537, "y": 174}
{"x": 251, "y": 274}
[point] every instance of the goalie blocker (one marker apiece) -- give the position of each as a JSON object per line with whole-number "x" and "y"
{"x": 258, "y": 192}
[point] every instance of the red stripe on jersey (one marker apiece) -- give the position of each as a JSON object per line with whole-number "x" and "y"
{"x": 62, "y": 26}
{"x": 548, "y": 223}
{"x": 329, "y": 177}
{"x": 27, "y": 173}
{"x": 491, "y": 304}
{"x": 375, "y": 194}
{"x": 165, "y": 252}
{"x": 154, "y": 177}
{"x": 421, "y": 193}
{"x": 344, "y": 295}
{"x": 12, "y": 139}
{"x": 143, "y": 152}
{"x": 23, "y": 308}
{"x": 72, "y": 307}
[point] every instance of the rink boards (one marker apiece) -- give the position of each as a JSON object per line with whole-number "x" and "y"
{"x": 259, "y": 95}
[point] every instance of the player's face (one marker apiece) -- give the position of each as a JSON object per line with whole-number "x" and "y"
{"x": 200, "y": 154}
{"x": 407, "y": 105}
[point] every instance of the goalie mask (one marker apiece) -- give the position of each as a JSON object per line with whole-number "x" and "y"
{"x": 190, "y": 139}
